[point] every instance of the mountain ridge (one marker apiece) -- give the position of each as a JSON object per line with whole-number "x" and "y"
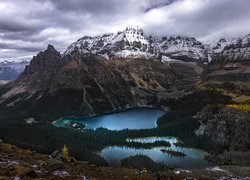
{"x": 132, "y": 43}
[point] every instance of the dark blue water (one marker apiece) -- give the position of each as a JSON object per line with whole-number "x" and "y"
{"x": 194, "y": 158}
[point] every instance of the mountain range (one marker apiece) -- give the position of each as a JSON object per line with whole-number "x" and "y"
{"x": 126, "y": 69}
{"x": 132, "y": 43}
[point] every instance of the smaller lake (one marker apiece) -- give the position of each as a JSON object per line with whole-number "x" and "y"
{"x": 194, "y": 158}
{"x": 138, "y": 118}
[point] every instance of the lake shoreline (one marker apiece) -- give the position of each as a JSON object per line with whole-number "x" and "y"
{"x": 113, "y": 112}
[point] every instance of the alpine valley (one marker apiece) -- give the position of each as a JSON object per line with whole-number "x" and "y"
{"x": 201, "y": 88}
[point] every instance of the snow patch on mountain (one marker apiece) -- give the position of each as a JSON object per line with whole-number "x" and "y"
{"x": 218, "y": 45}
{"x": 234, "y": 50}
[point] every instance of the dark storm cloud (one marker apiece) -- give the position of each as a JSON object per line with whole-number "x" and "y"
{"x": 27, "y": 26}
{"x": 24, "y": 47}
{"x": 93, "y": 6}
{"x": 7, "y": 25}
{"x": 159, "y": 4}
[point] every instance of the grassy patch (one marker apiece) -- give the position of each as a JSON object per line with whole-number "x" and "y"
{"x": 238, "y": 91}
{"x": 240, "y": 107}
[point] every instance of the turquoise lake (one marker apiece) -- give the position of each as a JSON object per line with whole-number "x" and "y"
{"x": 139, "y": 118}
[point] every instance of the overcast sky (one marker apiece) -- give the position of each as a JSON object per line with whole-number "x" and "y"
{"x": 27, "y": 26}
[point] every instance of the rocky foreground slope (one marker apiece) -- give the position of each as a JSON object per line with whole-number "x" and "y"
{"x": 16, "y": 163}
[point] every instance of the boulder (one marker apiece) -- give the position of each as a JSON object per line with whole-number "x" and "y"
{"x": 55, "y": 164}
{"x": 57, "y": 155}
{"x": 61, "y": 174}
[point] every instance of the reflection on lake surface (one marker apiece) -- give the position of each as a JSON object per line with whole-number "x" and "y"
{"x": 194, "y": 158}
{"x": 139, "y": 118}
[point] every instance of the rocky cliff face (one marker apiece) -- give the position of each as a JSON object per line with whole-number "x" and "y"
{"x": 225, "y": 126}
{"x": 38, "y": 75}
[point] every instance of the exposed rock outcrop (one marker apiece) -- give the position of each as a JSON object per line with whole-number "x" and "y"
{"x": 226, "y": 126}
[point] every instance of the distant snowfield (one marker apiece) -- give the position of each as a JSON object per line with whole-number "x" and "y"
{"x": 3, "y": 82}
{"x": 9, "y": 70}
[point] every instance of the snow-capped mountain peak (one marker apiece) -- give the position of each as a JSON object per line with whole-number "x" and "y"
{"x": 133, "y": 43}
{"x": 135, "y": 34}
{"x": 135, "y": 30}
{"x": 129, "y": 43}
